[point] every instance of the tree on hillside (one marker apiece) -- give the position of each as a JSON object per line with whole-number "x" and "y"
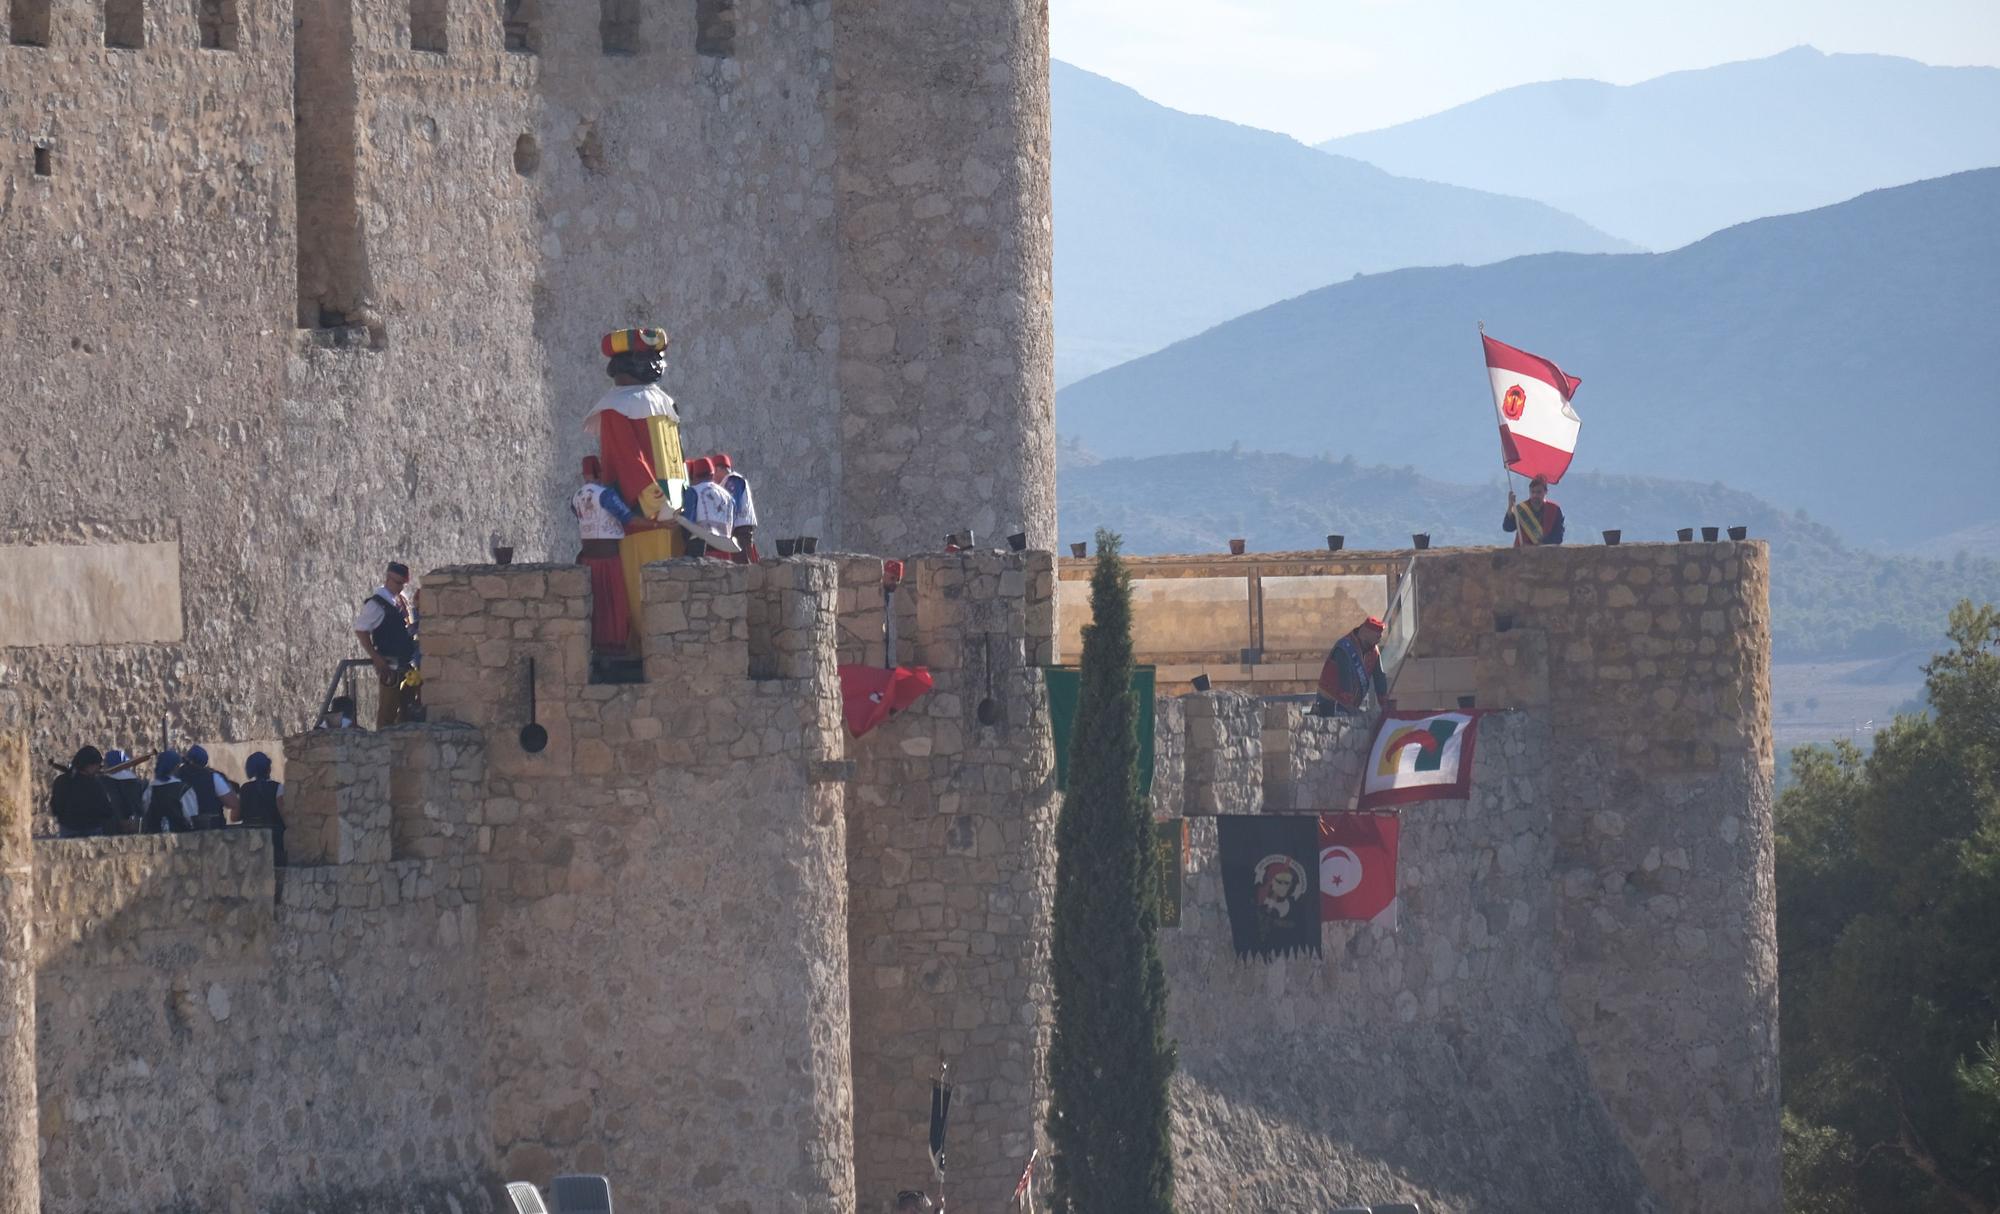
{"x": 1889, "y": 953}
{"x": 1110, "y": 1060}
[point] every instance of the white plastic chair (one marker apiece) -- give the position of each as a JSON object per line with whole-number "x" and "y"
{"x": 581, "y": 1194}
{"x": 527, "y": 1198}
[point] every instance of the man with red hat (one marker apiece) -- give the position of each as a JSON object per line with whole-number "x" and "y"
{"x": 602, "y": 522}
{"x": 638, "y": 432}
{"x": 737, "y": 486}
{"x": 1353, "y": 669}
{"x": 708, "y": 508}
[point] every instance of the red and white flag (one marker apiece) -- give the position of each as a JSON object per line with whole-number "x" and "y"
{"x": 1531, "y": 394}
{"x": 1022, "y": 1186}
{"x": 1357, "y": 867}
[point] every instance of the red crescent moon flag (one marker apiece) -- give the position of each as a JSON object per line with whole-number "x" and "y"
{"x": 1357, "y": 866}
{"x": 1531, "y": 395}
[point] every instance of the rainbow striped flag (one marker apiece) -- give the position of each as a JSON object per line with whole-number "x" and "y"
{"x": 1420, "y": 756}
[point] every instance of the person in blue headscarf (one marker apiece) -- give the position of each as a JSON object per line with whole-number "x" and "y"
{"x": 263, "y": 803}
{"x": 170, "y": 803}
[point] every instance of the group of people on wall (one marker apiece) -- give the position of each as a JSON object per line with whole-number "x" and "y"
{"x": 103, "y": 793}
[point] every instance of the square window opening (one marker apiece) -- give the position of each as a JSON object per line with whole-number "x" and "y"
{"x": 618, "y": 26}
{"x": 28, "y": 22}
{"x": 715, "y": 28}
{"x": 218, "y": 24}
{"x": 427, "y": 26}
{"x": 125, "y": 24}
{"x": 521, "y": 26}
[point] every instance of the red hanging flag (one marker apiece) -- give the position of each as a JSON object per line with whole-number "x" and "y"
{"x": 870, "y": 695}
{"x": 1357, "y": 867}
{"x": 1538, "y": 428}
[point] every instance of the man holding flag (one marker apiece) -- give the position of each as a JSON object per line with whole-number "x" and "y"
{"x": 1538, "y": 432}
{"x": 1536, "y": 521}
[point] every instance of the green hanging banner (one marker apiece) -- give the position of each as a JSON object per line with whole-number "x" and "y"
{"x": 1065, "y": 684}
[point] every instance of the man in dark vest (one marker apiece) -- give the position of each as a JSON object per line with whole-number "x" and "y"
{"x": 1353, "y": 669}
{"x": 170, "y": 803}
{"x": 77, "y": 799}
{"x": 264, "y": 805}
{"x": 125, "y": 787}
{"x": 389, "y": 638}
{"x": 214, "y": 796}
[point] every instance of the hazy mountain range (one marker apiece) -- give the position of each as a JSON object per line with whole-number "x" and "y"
{"x": 1843, "y": 360}
{"x": 1167, "y": 223}
{"x": 1827, "y": 598}
{"x": 1672, "y": 159}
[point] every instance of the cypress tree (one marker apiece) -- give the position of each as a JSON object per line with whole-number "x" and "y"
{"x": 1109, "y": 1060}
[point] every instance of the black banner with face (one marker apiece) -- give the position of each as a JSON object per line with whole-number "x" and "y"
{"x": 1269, "y": 866}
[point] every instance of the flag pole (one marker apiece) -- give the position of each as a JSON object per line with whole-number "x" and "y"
{"x": 1506, "y": 473}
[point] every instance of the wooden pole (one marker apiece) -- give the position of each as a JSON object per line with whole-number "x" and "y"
{"x": 1506, "y": 473}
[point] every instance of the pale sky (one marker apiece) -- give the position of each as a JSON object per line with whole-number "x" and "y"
{"x": 1319, "y": 68}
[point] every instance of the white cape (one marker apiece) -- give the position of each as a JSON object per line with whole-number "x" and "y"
{"x": 636, "y": 401}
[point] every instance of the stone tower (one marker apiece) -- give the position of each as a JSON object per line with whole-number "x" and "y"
{"x": 946, "y": 296}
{"x": 317, "y": 284}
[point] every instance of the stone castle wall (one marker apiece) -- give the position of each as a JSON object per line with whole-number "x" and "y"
{"x": 1427, "y": 1063}
{"x": 331, "y": 295}
{"x": 1609, "y": 887}
{"x": 200, "y": 1049}
{"x": 703, "y": 918}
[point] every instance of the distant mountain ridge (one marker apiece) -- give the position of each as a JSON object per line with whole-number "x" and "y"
{"x": 1843, "y": 360}
{"x": 1827, "y": 598}
{"x": 1669, "y": 160}
{"x": 1167, "y": 223}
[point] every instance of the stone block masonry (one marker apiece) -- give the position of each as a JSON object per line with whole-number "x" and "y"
{"x": 199, "y": 1050}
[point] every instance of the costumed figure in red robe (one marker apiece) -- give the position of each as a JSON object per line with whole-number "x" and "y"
{"x": 638, "y": 434}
